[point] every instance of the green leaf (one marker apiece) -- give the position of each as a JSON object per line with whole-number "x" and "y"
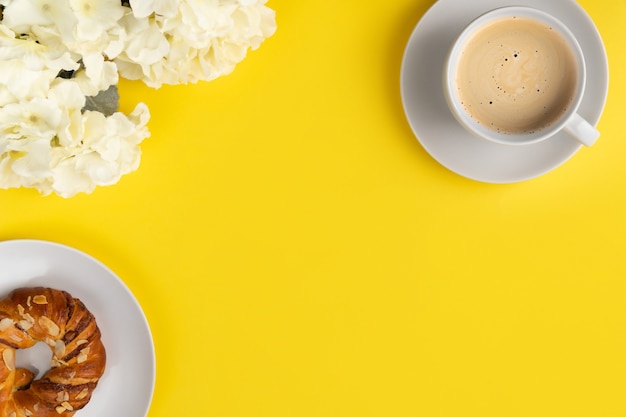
{"x": 105, "y": 102}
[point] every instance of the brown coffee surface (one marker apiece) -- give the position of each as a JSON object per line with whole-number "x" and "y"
{"x": 516, "y": 75}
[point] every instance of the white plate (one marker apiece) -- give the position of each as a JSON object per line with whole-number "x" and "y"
{"x": 127, "y": 386}
{"x": 437, "y": 130}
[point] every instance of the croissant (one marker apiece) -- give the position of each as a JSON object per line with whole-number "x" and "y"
{"x": 54, "y": 317}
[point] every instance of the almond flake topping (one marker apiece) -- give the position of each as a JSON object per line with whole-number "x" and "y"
{"x": 55, "y": 363}
{"x": 8, "y": 356}
{"x": 49, "y": 325}
{"x": 59, "y": 349}
{"x": 30, "y": 318}
{"x": 5, "y": 324}
{"x": 83, "y": 394}
{"x": 82, "y": 357}
{"x": 25, "y": 324}
{"x": 40, "y": 299}
{"x": 60, "y": 397}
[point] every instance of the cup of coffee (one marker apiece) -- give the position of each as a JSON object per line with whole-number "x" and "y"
{"x": 516, "y": 76}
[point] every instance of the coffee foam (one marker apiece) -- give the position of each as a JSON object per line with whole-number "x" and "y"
{"x": 516, "y": 76}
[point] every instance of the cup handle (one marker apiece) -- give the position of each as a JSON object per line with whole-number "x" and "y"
{"x": 582, "y": 130}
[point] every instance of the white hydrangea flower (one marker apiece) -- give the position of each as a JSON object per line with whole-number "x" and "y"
{"x": 144, "y": 46}
{"x": 207, "y": 39}
{"x": 61, "y": 59}
{"x": 27, "y": 67}
{"x": 70, "y": 99}
{"x": 108, "y": 150}
{"x": 52, "y": 145}
{"x": 23, "y": 15}
{"x": 27, "y": 130}
{"x": 96, "y": 75}
{"x": 96, "y": 17}
{"x": 145, "y": 8}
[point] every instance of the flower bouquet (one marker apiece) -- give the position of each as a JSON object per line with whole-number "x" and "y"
{"x": 61, "y": 60}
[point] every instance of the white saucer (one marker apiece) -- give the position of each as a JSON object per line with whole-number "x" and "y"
{"x": 127, "y": 386}
{"x": 437, "y": 130}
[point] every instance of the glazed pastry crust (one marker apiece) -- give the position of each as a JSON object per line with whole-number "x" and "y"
{"x": 54, "y": 317}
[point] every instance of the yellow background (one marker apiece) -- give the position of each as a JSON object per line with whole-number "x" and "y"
{"x": 297, "y": 253}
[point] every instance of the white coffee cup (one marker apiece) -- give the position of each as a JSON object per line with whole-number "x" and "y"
{"x": 516, "y": 76}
